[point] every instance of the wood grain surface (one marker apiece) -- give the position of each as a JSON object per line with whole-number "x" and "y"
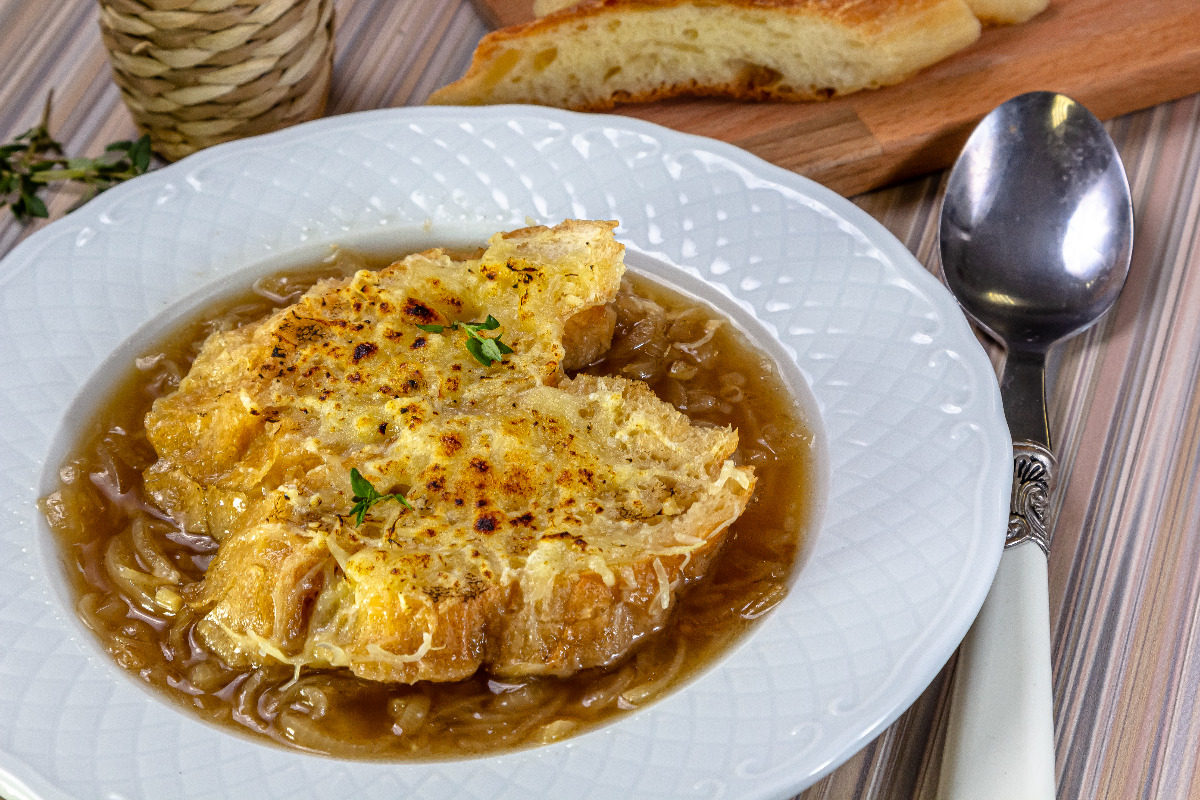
{"x": 1125, "y": 396}
{"x": 1114, "y": 56}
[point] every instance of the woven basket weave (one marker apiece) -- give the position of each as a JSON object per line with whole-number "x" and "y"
{"x": 198, "y": 72}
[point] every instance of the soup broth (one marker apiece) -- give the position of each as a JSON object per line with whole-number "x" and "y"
{"x": 128, "y": 560}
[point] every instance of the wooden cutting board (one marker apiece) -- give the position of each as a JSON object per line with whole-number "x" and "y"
{"x": 1114, "y": 56}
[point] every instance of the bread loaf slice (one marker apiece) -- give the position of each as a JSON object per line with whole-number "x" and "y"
{"x": 1006, "y": 12}
{"x": 597, "y": 53}
{"x": 992, "y": 12}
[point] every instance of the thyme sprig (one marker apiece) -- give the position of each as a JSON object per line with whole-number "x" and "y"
{"x": 366, "y": 495}
{"x": 485, "y": 349}
{"x": 35, "y": 159}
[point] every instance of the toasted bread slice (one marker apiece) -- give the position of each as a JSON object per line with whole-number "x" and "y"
{"x": 547, "y": 524}
{"x": 597, "y": 53}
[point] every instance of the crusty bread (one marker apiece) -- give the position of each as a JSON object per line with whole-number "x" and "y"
{"x": 1006, "y": 12}
{"x": 992, "y": 12}
{"x": 543, "y": 7}
{"x": 551, "y": 521}
{"x": 597, "y": 53}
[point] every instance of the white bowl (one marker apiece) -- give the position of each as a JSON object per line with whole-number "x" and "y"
{"x": 918, "y": 452}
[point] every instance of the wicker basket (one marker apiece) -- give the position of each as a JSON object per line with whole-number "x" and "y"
{"x": 198, "y": 72}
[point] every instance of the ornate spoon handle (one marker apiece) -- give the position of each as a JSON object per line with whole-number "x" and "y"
{"x": 1000, "y": 737}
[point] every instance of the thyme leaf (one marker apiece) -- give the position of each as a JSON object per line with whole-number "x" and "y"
{"x": 35, "y": 159}
{"x": 485, "y": 349}
{"x": 365, "y": 496}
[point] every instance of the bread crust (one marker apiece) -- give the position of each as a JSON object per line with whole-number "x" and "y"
{"x": 997, "y": 12}
{"x": 598, "y": 53}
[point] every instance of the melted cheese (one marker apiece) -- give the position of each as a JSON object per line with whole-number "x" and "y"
{"x": 541, "y": 510}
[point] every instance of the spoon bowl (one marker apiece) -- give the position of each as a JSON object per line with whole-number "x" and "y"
{"x": 1037, "y": 224}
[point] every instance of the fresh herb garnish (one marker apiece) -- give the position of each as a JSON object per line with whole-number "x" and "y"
{"x": 366, "y": 496}
{"x": 35, "y": 159}
{"x": 485, "y": 349}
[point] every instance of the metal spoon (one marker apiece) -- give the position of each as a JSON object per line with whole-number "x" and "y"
{"x": 1036, "y": 235}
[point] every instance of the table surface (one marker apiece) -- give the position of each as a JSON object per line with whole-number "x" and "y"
{"x": 1124, "y": 404}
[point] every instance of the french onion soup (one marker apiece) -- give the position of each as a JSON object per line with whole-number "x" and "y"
{"x": 449, "y": 506}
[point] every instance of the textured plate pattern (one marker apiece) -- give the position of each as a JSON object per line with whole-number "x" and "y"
{"x": 918, "y": 452}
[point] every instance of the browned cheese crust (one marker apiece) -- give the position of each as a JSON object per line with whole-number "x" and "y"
{"x": 597, "y": 53}
{"x": 552, "y": 520}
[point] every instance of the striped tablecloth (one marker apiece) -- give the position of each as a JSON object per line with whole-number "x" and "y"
{"x": 1125, "y": 410}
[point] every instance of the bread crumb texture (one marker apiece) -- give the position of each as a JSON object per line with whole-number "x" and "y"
{"x": 550, "y": 523}
{"x": 594, "y": 54}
